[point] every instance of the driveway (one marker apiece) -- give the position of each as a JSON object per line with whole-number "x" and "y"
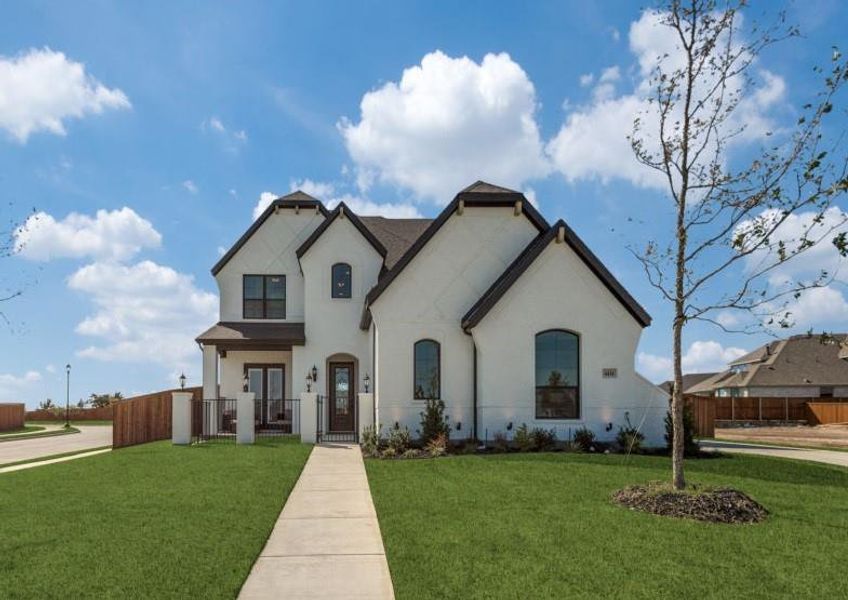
{"x": 90, "y": 436}
{"x": 831, "y": 457}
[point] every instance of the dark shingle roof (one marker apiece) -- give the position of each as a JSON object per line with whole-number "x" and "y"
{"x": 689, "y": 380}
{"x": 238, "y": 332}
{"x": 342, "y": 211}
{"x": 396, "y": 235}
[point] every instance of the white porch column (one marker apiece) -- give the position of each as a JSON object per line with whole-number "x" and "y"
{"x": 210, "y": 372}
{"x": 366, "y": 411}
{"x": 245, "y": 416}
{"x": 308, "y": 416}
{"x": 181, "y": 417}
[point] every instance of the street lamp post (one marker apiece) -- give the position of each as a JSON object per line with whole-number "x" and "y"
{"x": 67, "y": 395}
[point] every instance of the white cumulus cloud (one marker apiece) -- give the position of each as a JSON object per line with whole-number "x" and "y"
{"x": 446, "y": 123}
{"x": 117, "y": 234}
{"x": 12, "y": 386}
{"x": 145, "y": 312}
{"x": 702, "y": 356}
{"x": 40, "y": 89}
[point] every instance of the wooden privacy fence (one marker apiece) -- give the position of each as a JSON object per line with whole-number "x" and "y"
{"x": 822, "y": 413}
{"x": 11, "y": 416}
{"x": 102, "y": 413}
{"x": 754, "y": 408}
{"x": 145, "y": 418}
{"x": 704, "y": 411}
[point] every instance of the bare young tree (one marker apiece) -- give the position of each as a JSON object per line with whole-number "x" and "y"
{"x": 9, "y": 246}
{"x": 730, "y": 235}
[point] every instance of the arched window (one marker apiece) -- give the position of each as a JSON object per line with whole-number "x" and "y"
{"x": 557, "y": 375}
{"x": 427, "y": 370}
{"x": 341, "y": 280}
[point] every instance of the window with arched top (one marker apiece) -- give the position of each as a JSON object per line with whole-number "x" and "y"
{"x": 341, "y": 280}
{"x": 427, "y": 369}
{"x": 557, "y": 375}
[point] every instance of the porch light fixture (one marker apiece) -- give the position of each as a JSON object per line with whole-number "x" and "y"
{"x": 244, "y": 383}
{"x": 314, "y": 373}
{"x": 367, "y": 380}
{"x": 308, "y": 382}
{"x": 182, "y": 381}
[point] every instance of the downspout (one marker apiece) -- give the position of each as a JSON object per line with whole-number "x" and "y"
{"x": 475, "y": 391}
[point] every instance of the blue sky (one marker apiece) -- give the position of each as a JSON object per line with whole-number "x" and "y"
{"x": 173, "y": 119}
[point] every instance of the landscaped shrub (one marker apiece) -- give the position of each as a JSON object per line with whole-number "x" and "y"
{"x": 690, "y": 446}
{"x": 411, "y": 453}
{"x": 629, "y": 438}
{"x": 389, "y": 452}
{"x": 584, "y": 438}
{"x": 438, "y": 446}
{"x": 469, "y": 446}
{"x": 523, "y": 440}
{"x": 433, "y": 421}
{"x": 399, "y": 439}
{"x": 543, "y": 439}
{"x": 371, "y": 440}
{"x": 500, "y": 443}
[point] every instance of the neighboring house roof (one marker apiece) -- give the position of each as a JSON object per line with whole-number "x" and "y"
{"x": 535, "y": 248}
{"x": 239, "y": 334}
{"x": 295, "y": 200}
{"x": 801, "y": 360}
{"x": 689, "y": 380}
{"x": 396, "y": 235}
{"x": 479, "y": 194}
{"x": 342, "y": 211}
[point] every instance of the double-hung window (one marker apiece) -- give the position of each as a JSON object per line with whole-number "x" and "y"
{"x": 264, "y": 297}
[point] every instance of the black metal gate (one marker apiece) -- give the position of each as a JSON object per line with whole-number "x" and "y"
{"x": 213, "y": 419}
{"x": 277, "y": 417}
{"x": 322, "y": 424}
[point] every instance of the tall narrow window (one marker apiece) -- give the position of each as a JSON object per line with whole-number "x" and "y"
{"x": 341, "y": 280}
{"x": 557, "y": 375}
{"x": 427, "y": 370}
{"x": 264, "y": 297}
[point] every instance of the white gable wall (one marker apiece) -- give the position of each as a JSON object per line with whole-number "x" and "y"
{"x": 428, "y": 300}
{"x": 558, "y": 291}
{"x": 269, "y": 251}
{"x": 332, "y": 324}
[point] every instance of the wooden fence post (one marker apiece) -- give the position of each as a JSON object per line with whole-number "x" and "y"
{"x": 786, "y": 406}
{"x": 761, "y": 407}
{"x": 732, "y": 409}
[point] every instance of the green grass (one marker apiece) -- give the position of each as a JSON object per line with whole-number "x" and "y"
{"x": 52, "y": 456}
{"x": 40, "y": 434}
{"x": 150, "y": 521}
{"x": 24, "y": 429}
{"x": 543, "y": 526}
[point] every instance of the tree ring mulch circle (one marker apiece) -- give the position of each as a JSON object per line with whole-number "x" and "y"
{"x": 714, "y": 505}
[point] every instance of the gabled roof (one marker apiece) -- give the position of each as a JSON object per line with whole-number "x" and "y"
{"x": 689, "y": 381}
{"x": 295, "y": 200}
{"x": 397, "y": 235}
{"x": 478, "y": 193}
{"x": 535, "y": 248}
{"x": 342, "y": 211}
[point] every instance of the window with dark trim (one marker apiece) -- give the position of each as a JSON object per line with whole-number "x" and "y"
{"x": 557, "y": 375}
{"x": 427, "y": 375}
{"x": 264, "y": 296}
{"x": 340, "y": 280}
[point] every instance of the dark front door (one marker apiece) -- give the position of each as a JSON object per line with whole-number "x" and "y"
{"x": 268, "y": 382}
{"x": 341, "y": 397}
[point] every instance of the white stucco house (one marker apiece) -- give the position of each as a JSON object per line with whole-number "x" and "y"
{"x": 505, "y": 317}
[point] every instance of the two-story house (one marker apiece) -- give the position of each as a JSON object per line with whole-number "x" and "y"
{"x": 504, "y": 317}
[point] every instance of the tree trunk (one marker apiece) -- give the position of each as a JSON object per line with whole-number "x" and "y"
{"x": 678, "y": 481}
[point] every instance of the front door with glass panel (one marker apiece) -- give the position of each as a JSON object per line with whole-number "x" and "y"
{"x": 268, "y": 383}
{"x": 341, "y": 397}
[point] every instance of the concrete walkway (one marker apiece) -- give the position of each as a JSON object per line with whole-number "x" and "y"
{"x": 326, "y": 542}
{"x": 50, "y": 461}
{"x": 90, "y": 436}
{"x": 21, "y": 435}
{"x": 831, "y": 457}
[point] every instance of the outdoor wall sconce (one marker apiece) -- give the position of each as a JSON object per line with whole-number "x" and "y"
{"x": 308, "y": 382}
{"x": 609, "y": 427}
{"x": 509, "y": 426}
{"x": 182, "y": 381}
{"x": 367, "y": 380}
{"x": 314, "y": 373}
{"x": 459, "y": 425}
{"x": 244, "y": 383}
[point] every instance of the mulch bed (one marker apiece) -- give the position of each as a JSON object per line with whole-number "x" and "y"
{"x": 716, "y": 505}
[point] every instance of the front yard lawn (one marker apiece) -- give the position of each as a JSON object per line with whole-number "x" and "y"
{"x": 150, "y": 521}
{"x": 543, "y": 526}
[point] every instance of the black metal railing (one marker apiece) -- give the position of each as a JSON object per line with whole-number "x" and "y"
{"x": 213, "y": 419}
{"x": 325, "y": 432}
{"x": 277, "y": 417}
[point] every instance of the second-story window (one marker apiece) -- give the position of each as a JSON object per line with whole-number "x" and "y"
{"x": 264, "y": 297}
{"x": 341, "y": 280}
